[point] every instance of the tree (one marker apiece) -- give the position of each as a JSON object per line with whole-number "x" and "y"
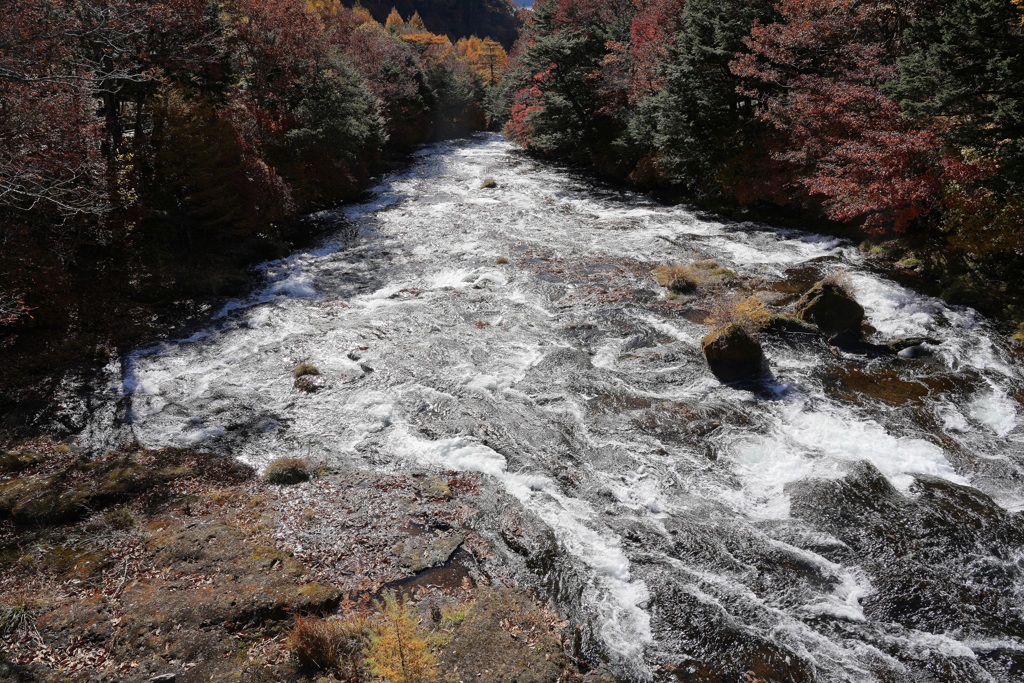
{"x": 818, "y": 73}
{"x": 487, "y": 58}
{"x": 964, "y": 73}
{"x": 394, "y": 22}
{"x": 574, "y": 88}
{"x": 694, "y": 119}
{"x": 651, "y": 37}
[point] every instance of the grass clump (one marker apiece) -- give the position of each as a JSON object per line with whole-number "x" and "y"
{"x": 287, "y": 471}
{"x": 17, "y": 619}
{"x": 683, "y": 278}
{"x": 750, "y": 313}
{"x": 305, "y": 369}
{"x": 400, "y": 650}
{"x": 120, "y": 518}
{"x": 910, "y": 261}
{"x": 336, "y": 644}
{"x": 488, "y": 184}
{"x": 502, "y": 260}
{"x": 1018, "y": 336}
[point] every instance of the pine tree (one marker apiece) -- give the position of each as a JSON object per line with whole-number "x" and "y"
{"x": 692, "y": 122}
{"x": 416, "y": 23}
{"x": 394, "y": 22}
{"x": 965, "y": 68}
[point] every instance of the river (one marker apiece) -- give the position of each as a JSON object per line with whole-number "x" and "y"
{"x": 853, "y": 519}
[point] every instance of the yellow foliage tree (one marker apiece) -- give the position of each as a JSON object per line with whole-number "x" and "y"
{"x": 324, "y": 8}
{"x": 487, "y": 57}
{"x": 394, "y": 22}
{"x": 416, "y": 24}
{"x": 400, "y": 650}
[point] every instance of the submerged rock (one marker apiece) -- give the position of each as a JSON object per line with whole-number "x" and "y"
{"x": 831, "y": 308}
{"x": 787, "y": 324}
{"x": 733, "y": 354}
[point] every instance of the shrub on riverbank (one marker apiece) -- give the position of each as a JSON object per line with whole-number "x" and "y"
{"x": 336, "y": 644}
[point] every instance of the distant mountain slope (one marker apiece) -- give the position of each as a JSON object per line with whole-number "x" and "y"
{"x": 495, "y": 19}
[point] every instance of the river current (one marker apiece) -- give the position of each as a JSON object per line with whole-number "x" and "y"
{"x": 855, "y": 518}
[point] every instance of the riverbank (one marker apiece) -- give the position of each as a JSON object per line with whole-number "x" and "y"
{"x": 171, "y": 565}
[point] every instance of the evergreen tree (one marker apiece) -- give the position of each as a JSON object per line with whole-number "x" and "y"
{"x": 570, "y": 103}
{"x": 965, "y": 67}
{"x": 694, "y": 121}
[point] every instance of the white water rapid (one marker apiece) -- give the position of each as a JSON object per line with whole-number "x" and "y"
{"x": 856, "y": 519}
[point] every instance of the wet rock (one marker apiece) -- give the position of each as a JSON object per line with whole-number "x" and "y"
{"x": 927, "y": 555}
{"x": 830, "y": 308}
{"x": 850, "y": 342}
{"x": 787, "y": 324}
{"x": 733, "y": 354}
{"x": 882, "y": 384}
{"x": 422, "y": 552}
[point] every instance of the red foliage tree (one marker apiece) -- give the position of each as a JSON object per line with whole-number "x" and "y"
{"x": 818, "y": 75}
{"x": 650, "y": 37}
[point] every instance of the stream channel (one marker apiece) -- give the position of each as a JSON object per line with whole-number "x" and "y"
{"x": 854, "y": 518}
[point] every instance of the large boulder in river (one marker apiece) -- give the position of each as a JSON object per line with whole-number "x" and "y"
{"x": 831, "y": 308}
{"x": 733, "y": 354}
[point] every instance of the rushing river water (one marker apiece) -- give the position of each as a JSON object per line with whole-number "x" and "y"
{"x": 855, "y": 519}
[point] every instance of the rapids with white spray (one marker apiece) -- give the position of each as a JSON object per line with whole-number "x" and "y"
{"x": 812, "y": 530}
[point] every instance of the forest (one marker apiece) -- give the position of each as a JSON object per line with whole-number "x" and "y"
{"x": 152, "y": 151}
{"x": 902, "y": 122}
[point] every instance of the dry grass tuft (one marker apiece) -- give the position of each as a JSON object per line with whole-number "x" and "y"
{"x": 120, "y": 518}
{"x": 305, "y": 369}
{"x": 287, "y": 471}
{"x": 502, "y": 260}
{"x": 680, "y": 279}
{"x": 17, "y": 618}
{"x": 750, "y": 313}
{"x": 840, "y": 279}
{"x": 336, "y": 644}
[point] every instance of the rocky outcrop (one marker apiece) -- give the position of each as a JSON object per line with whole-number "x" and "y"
{"x": 733, "y": 354}
{"x": 831, "y": 309}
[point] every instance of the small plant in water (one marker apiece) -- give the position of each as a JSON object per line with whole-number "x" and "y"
{"x": 840, "y": 279}
{"x": 287, "y": 471}
{"x": 680, "y": 279}
{"x": 750, "y": 313}
{"x": 488, "y": 184}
